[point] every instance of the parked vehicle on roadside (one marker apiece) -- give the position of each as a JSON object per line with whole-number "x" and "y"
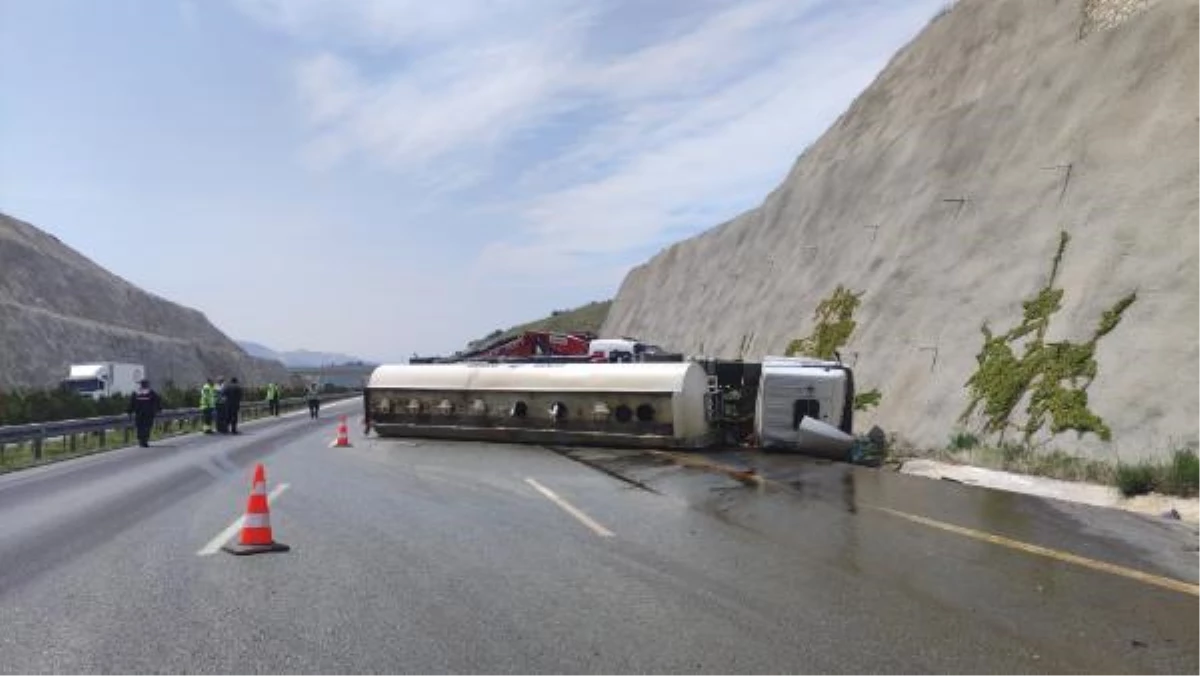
{"x": 99, "y": 380}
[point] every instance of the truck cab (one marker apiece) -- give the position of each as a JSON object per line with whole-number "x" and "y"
{"x": 802, "y": 401}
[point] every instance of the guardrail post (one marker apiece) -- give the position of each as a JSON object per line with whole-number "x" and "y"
{"x": 37, "y": 444}
{"x": 71, "y": 443}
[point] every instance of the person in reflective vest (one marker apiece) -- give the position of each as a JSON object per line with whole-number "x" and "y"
{"x": 273, "y": 399}
{"x": 144, "y": 404}
{"x": 222, "y": 411}
{"x": 208, "y": 403}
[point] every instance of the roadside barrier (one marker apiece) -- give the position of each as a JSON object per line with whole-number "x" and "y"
{"x": 31, "y": 444}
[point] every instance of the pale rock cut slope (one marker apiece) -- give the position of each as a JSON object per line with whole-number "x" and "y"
{"x": 1003, "y": 123}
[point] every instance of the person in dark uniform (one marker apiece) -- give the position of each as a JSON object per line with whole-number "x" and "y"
{"x": 233, "y": 404}
{"x": 314, "y": 401}
{"x": 144, "y": 404}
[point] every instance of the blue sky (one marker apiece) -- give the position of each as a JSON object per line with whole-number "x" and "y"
{"x": 384, "y": 177}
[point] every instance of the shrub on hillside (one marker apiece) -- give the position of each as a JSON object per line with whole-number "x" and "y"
{"x": 1135, "y": 479}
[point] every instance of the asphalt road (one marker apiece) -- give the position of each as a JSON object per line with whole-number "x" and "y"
{"x": 440, "y": 557}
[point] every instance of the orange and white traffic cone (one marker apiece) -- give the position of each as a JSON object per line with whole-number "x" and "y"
{"x": 256, "y": 535}
{"x": 343, "y": 435}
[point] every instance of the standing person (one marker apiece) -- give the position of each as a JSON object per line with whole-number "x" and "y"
{"x": 233, "y": 403}
{"x": 144, "y": 404}
{"x": 314, "y": 401}
{"x": 273, "y": 399}
{"x": 208, "y": 403}
{"x": 222, "y": 416}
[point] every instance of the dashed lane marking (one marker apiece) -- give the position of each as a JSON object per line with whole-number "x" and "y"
{"x": 570, "y": 509}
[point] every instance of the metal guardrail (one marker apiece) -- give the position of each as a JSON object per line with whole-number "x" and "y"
{"x": 178, "y": 421}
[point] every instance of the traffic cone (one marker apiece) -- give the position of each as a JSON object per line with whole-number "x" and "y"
{"x": 256, "y": 535}
{"x": 343, "y": 435}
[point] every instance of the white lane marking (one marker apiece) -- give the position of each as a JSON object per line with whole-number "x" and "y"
{"x": 214, "y": 545}
{"x": 570, "y": 509}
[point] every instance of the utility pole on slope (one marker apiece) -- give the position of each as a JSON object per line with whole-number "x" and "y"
{"x": 962, "y": 202}
{"x": 1066, "y": 169}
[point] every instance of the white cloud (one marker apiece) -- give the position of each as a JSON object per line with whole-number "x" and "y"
{"x": 328, "y": 87}
{"x": 188, "y": 13}
{"x": 391, "y": 24}
{"x": 582, "y": 158}
{"x": 690, "y": 162}
{"x": 464, "y": 97}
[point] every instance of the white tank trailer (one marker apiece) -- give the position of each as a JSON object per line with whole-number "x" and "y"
{"x": 646, "y": 405}
{"x": 787, "y": 403}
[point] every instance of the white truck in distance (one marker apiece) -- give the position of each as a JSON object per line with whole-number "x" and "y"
{"x": 104, "y": 379}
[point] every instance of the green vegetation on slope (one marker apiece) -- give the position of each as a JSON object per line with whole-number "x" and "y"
{"x": 583, "y": 318}
{"x": 835, "y": 323}
{"x": 1055, "y": 375}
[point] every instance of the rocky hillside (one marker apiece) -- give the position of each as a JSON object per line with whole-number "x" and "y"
{"x": 1010, "y": 212}
{"x": 585, "y": 318}
{"x": 58, "y": 307}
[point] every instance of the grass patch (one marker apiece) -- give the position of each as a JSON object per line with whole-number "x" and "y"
{"x": 20, "y": 456}
{"x": 1182, "y": 476}
{"x": 1136, "y": 479}
{"x": 1023, "y": 459}
{"x": 1177, "y": 476}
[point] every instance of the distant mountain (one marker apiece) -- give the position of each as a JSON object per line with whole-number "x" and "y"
{"x": 300, "y": 358}
{"x": 307, "y": 358}
{"x": 259, "y": 350}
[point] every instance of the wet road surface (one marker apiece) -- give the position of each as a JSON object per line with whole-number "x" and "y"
{"x": 438, "y": 557}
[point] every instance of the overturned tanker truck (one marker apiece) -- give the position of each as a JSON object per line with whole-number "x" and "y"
{"x": 782, "y": 403}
